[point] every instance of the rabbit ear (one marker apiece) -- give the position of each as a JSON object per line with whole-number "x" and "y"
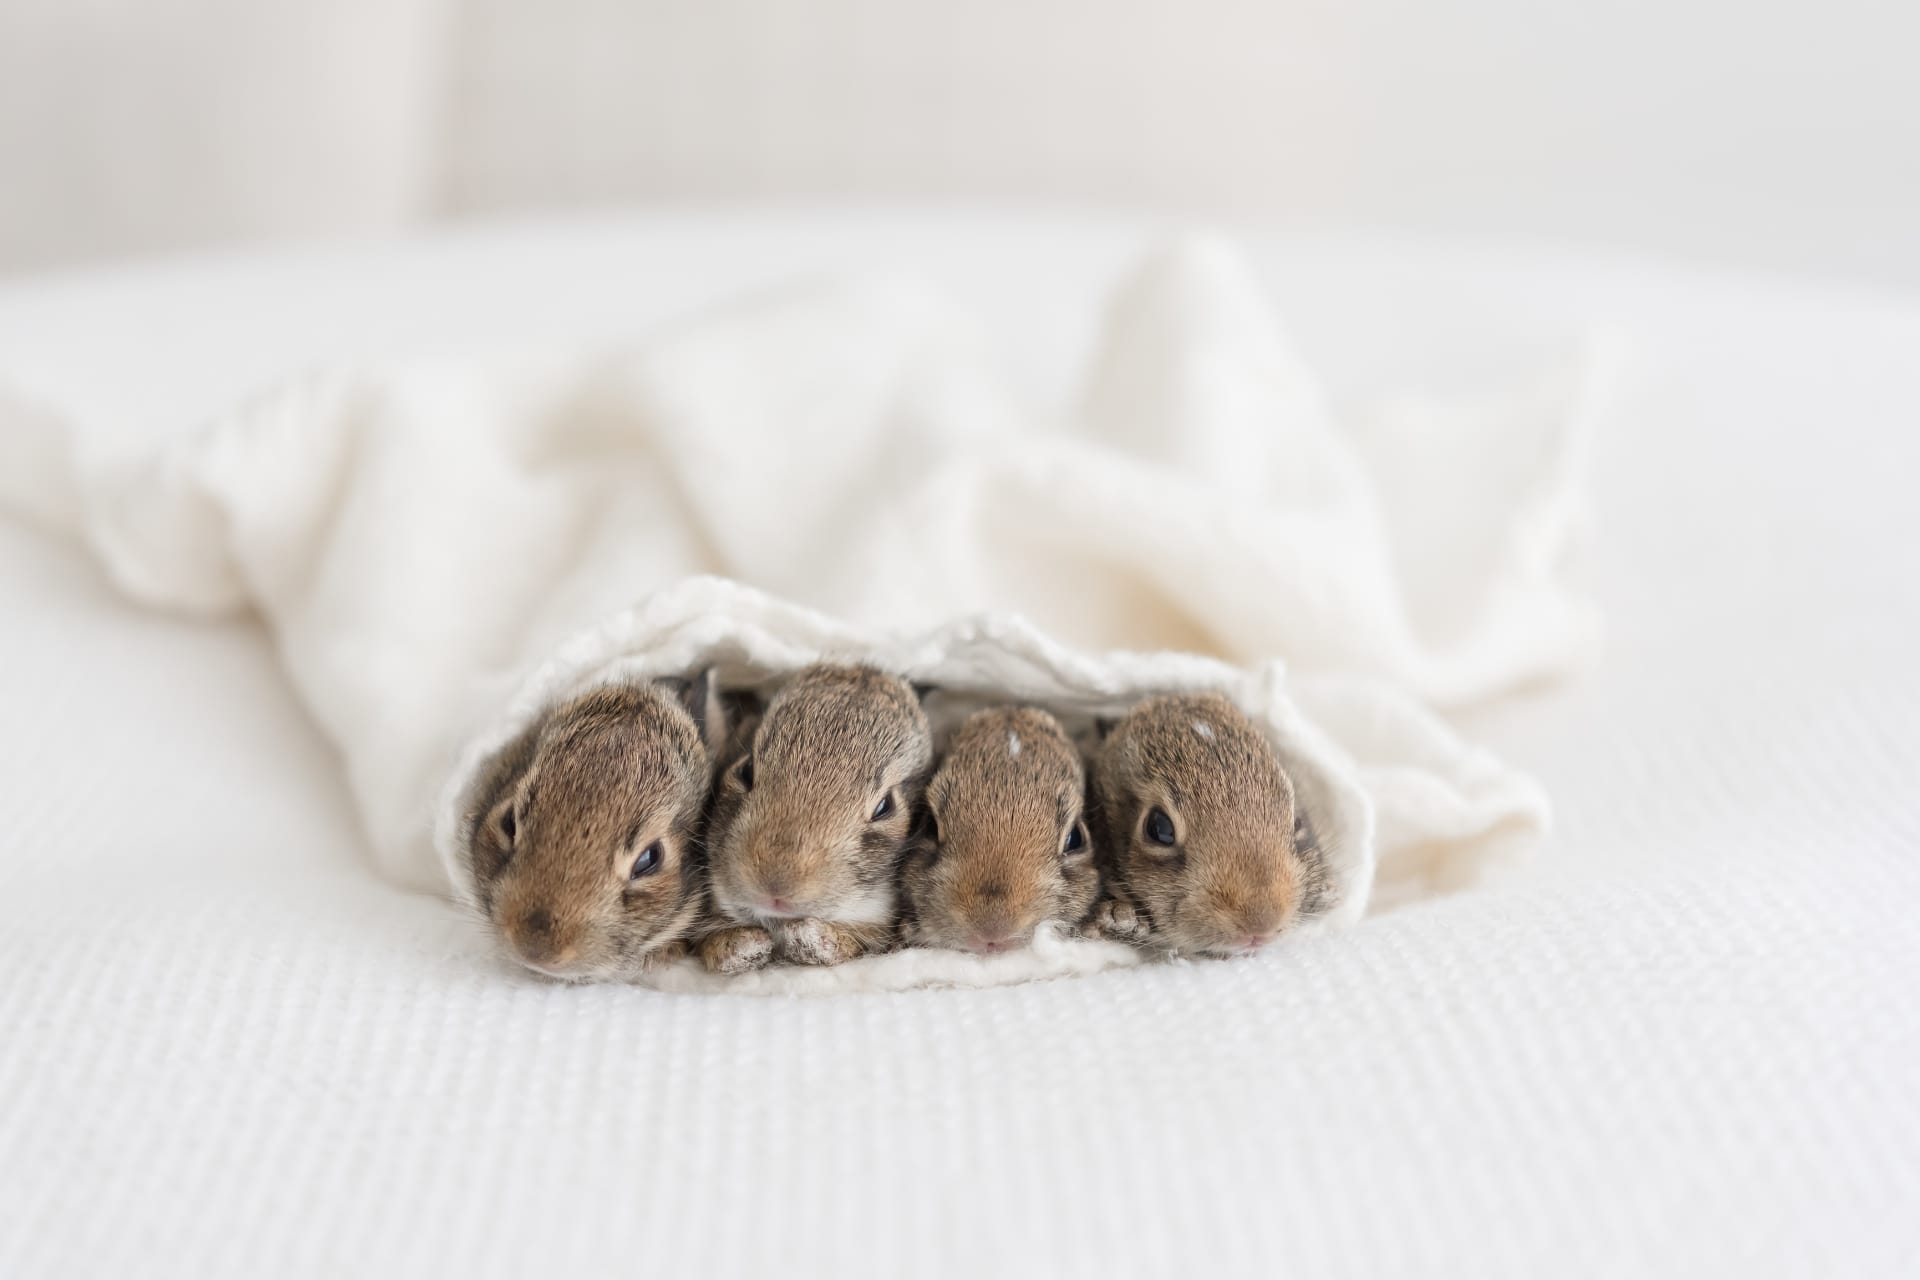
{"x": 680, "y": 689}
{"x": 737, "y": 716}
{"x": 492, "y": 824}
{"x": 925, "y": 828}
{"x": 700, "y": 695}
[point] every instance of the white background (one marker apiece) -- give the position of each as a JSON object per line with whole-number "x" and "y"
{"x": 1771, "y": 133}
{"x": 1684, "y": 1047}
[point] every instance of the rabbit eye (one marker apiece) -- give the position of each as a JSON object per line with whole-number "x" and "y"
{"x": 506, "y": 824}
{"x": 883, "y": 809}
{"x": 1159, "y": 827}
{"x": 648, "y": 862}
{"x": 1076, "y": 839}
{"x": 743, "y": 773}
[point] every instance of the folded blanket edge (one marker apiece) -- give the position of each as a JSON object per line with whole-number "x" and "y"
{"x": 704, "y": 621}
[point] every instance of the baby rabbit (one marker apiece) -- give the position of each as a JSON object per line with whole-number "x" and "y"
{"x": 810, "y": 824}
{"x": 583, "y": 843}
{"x": 1007, "y": 848}
{"x": 1203, "y": 847}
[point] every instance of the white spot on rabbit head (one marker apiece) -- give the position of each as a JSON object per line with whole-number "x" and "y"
{"x": 1203, "y": 729}
{"x": 1013, "y": 743}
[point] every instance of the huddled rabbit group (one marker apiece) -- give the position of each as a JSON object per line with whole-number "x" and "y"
{"x": 641, "y": 823}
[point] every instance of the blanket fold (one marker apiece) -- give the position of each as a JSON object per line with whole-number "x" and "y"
{"x": 441, "y": 550}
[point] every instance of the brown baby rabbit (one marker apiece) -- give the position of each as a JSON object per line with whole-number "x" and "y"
{"x": 810, "y": 824}
{"x": 1007, "y": 847}
{"x": 584, "y": 840}
{"x": 1203, "y": 847}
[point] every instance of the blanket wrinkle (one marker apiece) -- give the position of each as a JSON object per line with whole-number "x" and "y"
{"x": 443, "y": 549}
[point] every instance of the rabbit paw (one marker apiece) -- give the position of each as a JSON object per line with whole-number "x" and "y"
{"x": 741, "y": 949}
{"x": 812, "y": 941}
{"x": 1119, "y": 922}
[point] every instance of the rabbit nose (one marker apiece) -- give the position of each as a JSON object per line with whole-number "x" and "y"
{"x": 994, "y": 939}
{"x": 538, "y": 941}
{"x": 535, "y": 932}
{"x": 995, "y": 929}
{"x": 774, "y": 894}
{"x": 1260, "y": 921}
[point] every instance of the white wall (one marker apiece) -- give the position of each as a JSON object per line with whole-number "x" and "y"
{"x": 1770, "y": 132}
{"x": 135, "y": 125}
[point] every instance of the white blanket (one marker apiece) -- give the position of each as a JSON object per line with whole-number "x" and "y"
{"x": 442, "y": 550}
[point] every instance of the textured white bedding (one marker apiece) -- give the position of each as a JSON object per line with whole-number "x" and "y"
{"x": 1685, "y": 1043}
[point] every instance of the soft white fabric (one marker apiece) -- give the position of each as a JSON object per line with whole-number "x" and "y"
{"x": 1679, "y": 1043}
{"x": 422, "y": 540}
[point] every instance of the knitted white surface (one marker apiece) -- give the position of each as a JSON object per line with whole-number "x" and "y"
{"x": 426, "y": 541}
{"x": 1681, "y": 1042}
